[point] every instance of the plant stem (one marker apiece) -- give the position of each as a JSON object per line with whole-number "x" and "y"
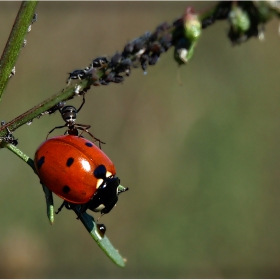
{"x": 30, "y": 162}
{"x": 20, "y": 27}
{"x": 40, "y": 108}
{"x": 15, "y": 41}
{"x": 20, "y": 154}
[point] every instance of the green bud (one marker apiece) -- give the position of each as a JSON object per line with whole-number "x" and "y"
{"x": 239, "y": 19}
{"x": 192, "y": 28}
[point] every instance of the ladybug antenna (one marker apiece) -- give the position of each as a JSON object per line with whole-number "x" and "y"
{"x": 100, "y": 172}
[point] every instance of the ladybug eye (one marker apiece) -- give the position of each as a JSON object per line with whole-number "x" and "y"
{"x": 100, "y": 172}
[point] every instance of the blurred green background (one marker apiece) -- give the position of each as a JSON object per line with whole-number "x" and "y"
{"x": 201, "y": 159}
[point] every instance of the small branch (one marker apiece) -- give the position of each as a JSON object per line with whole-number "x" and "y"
{"x": 38, "y": 110}
{"x": 15, "y": 42}
{"x": 244, "y": 17}
{"x": 20, "y": 154}
{"x": 145, "y": 51}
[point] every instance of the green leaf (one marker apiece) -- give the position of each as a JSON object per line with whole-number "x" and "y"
{"x": 49, "y": 202}
{"x": 103, "y": 242}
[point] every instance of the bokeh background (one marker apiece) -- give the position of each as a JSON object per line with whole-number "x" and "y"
{"x": 201, "y": 159}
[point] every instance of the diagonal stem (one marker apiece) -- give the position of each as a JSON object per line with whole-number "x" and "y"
{"x": 15, "y": 41}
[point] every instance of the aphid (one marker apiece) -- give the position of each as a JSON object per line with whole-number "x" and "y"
{"x": 9, "y": 137}
{"x": 110, "y": 76}
{"x": 144, "y": 59}
{"x": 166, "y": 41}
{"x": 13, "y": 72}
{"x": 124, "y": 66}
{"x": 153, "y": 59}
{"x": 77, "y": 74}
{"x": 104, "y": 82}
{"x": 138, "y": 44}
{"x": 118, "y": 79}
{"x": 24, "y": 43}
{"x": 115, "y": 60}
{"x": 100, "y": 62}
{"x": 35, "y": 18}
{"x": 128, "y": 49}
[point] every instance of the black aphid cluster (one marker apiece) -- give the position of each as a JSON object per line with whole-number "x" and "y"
{"x": 250, "y": 9}
{"x": 147, "y": 49}
{"x": 142, "y": 51}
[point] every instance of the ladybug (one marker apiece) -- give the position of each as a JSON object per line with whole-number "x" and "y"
{"x": 79, "y": 172}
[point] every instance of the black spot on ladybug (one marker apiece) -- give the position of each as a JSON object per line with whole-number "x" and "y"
{"x": 69, "y": 162}
{"x": 40, "y": 162}
{"x": 88, "y": 144}
{"x": 100, "y": 172}
{"x": 66, "y": 189}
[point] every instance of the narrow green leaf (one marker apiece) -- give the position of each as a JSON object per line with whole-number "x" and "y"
{"x": 103, "y": 242}
{"x": 49, "y": 202}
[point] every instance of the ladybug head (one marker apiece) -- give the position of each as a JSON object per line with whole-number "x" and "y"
{"x": 106, "y": 196}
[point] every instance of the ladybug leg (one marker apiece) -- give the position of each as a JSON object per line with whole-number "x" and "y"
{"x": 61, "y": 206}
{"x": 79, "y": 208}
{"x": 83, "y": 208}
{"x": 68, "y": 205}
{"x": 79, "y": 215}
{"x": 71, "y": 206}
{"x": 65, "y": 204}
{"x": 55, "y": 129}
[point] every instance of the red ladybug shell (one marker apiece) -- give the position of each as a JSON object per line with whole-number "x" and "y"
{"x": 66, "y": 164}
